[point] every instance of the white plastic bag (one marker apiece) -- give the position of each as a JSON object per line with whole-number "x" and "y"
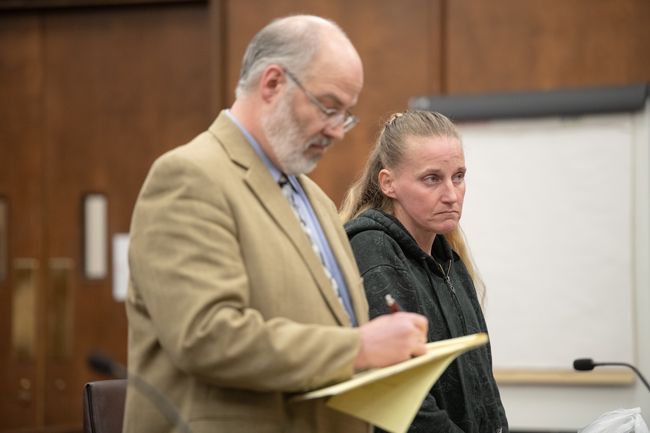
{"x": 618, "y": 421}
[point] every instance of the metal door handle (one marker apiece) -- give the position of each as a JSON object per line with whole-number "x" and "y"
{"x": 60, "y": 308}
{"x": 23, "y": 311}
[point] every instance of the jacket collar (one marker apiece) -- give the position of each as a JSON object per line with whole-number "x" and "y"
{"x": 265, "y": 188}
{"x": 375, "y": 219}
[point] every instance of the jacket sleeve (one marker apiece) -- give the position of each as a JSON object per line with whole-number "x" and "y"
{"x": 191, "y": 289}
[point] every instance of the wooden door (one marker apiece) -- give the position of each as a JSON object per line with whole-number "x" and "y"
{"x": 99, "y": 95}
{"x": 21, "y": 228}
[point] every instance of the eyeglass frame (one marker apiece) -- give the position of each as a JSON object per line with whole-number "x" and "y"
{"x": 335, "y": 117}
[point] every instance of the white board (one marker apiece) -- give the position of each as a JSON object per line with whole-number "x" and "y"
{"x": 549, "y": 217}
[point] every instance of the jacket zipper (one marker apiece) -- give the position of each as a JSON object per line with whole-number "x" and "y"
{"x": 452, "y": 290}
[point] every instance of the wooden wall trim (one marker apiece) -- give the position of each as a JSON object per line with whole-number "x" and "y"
{"x": 59, "y": 4}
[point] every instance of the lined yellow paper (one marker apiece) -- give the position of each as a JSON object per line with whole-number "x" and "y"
{"x": 390, "y": 397}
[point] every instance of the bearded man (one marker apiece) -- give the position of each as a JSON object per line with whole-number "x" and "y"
{"x": 243, "y": 286}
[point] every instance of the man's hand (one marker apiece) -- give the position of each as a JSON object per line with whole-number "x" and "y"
{"x": 390, "y": 339}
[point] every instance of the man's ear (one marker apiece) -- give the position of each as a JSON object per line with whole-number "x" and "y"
{"x": 271, "y": 82}
{"x": 386, "y": 182}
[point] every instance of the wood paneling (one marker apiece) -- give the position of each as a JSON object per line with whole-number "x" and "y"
{"x": 399, "y": 43}
{"x": 52, "y": 4}
{"x": 505, "y": 45}
{"x": 95, "y": 96}
{"x": 123, "y": 86}
{"x": 21, "y": 186}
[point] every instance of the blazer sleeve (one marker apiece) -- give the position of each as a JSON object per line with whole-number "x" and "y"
{"x": 189, "y": 282}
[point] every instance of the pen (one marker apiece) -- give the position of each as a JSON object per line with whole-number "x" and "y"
{"x": 392, "y": 305}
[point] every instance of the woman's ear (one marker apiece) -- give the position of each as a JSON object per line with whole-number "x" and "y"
{"x": 386, "y": 183}
{"x": 271, "y": 81}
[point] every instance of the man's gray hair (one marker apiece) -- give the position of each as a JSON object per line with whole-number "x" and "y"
{"x": 291, "y": 42}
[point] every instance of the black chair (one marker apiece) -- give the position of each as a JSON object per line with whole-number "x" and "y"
{"x": 104, "y": 406}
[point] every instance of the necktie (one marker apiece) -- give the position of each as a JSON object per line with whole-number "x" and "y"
{"x": 289, "y": 193}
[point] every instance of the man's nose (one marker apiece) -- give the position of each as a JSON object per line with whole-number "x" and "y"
{"x": 334, "y": 132}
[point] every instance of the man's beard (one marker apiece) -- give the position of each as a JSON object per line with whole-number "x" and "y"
{"x": 286, "y": 138}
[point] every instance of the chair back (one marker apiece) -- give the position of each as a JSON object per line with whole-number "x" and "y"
{"x": 104, "y": 406}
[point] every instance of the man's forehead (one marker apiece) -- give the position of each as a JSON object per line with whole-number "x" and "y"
{"x": 335, "y": 80}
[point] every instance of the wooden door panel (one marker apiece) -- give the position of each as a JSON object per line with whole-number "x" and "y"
{"x": 509, "y": 45}
{"x": 21, "y": 191}
{"x": 124, "y": 85}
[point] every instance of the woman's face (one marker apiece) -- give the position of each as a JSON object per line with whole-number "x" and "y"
{"x": 428, "y": 186}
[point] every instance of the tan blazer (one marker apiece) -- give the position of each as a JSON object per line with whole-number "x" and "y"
{"x": 229, "y": 308}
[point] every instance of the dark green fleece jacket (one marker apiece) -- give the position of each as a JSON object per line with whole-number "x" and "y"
{"x": 438, "y": 286}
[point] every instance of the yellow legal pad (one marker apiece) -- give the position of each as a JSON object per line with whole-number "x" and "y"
{"x": 390, "y": 397}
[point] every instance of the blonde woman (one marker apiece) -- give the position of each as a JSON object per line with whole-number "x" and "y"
{"x": 403, "y": 223}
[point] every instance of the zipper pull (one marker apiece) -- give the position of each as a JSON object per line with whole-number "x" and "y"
{"x": 449, "y": 283}
{"x": 446, "y": 275}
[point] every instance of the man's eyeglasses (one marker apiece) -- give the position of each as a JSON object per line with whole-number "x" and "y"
{"x": 335, "y": 118}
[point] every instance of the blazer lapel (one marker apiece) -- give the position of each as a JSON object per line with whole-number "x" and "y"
{"x": 261, "y": 183}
